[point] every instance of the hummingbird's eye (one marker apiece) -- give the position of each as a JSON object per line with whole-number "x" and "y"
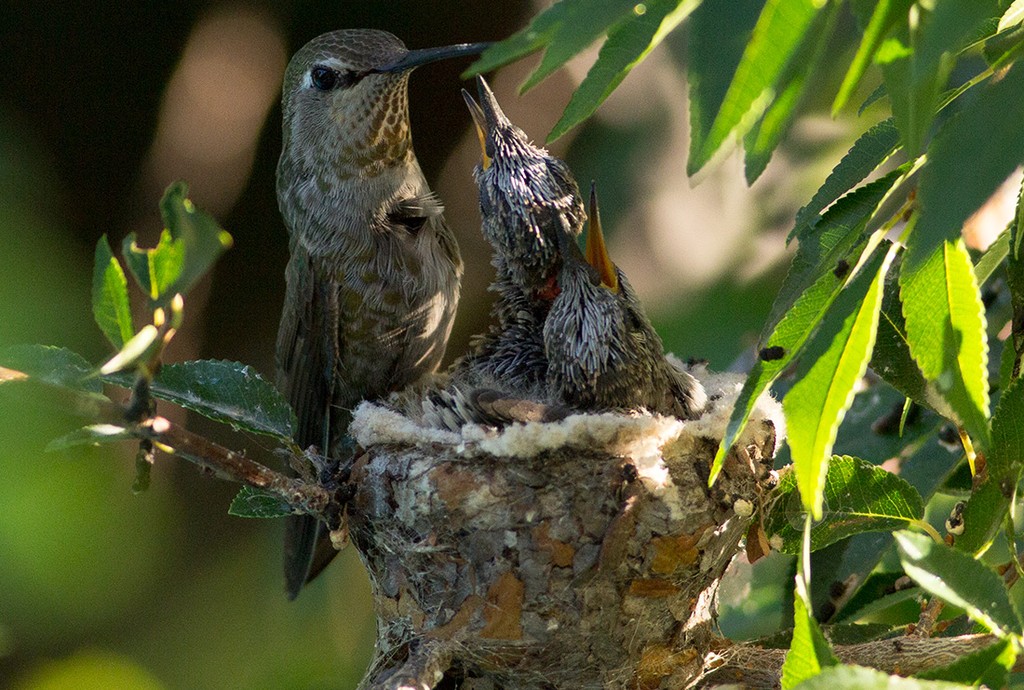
{"x": 324, "y": 78}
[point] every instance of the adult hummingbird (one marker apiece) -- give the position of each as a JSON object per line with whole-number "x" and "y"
{"x": 373, "y": 276}
{"x": 602, "y": 351}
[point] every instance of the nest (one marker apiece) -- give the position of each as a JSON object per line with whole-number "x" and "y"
{"x": 582, "y": 553}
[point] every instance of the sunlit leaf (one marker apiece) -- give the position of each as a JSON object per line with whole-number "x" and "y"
{"x": 809, "y": 651}
{"x": 830, "y": 244}
{"x": 713, "y": 57}
{"x": 839, "y": 355}
{"x": 827, "y": 254}
{"x": 867, "y": 153}
{"x": 945, "y": 324}
{"x": 886, "y": 14}
{"x": 136, "y": 351}
{"x": 628, "y": 44}
{"x": 765, "y": 136}
{"x": 154, "y": 269}
{"x": 858, "y": 497}
{"x": 1013, "y": 16}
{"x": 960, "y": 580}
{"x": 778, "y": 35}
{"x": 110, "y": 296}
{"x": 891, "y": 358}
{"x": 993, "y": 257}
{"x": 861, "y": 678}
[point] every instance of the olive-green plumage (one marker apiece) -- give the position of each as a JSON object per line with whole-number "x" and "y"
{"x": 373, "y": 277}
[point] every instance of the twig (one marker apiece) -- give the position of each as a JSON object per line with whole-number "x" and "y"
{"x": 302, "y": 496}
{"x": 756, "y": 667}
{"x": 929, "y": 615}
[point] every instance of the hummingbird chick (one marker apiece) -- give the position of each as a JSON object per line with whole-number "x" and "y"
{"x": 374, "y": 271}
{"x": 602, "y": 351}
{"x": 528, "y": 198}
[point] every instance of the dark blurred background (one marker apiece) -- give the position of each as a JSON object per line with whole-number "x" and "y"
{"x": 101, "y": 108}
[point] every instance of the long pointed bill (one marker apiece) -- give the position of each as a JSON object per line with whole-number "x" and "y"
{"x": 415, "y": 58}
{"x": 596, "y": 251}
{"x": 493, "y": 115}
{"x": 481, "y": 127}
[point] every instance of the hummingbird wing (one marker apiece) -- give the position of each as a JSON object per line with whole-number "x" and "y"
{"x": 307, "y": 355}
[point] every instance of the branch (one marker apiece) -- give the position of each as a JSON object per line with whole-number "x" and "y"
{"x": 173, "y": 439}
{"x": 757, "y": 667}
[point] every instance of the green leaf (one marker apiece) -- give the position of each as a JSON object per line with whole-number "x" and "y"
{"x": 958, "y": 579}
{"x": 628, "y": 44}
{"x": 778, "y": 34}
{"x": 839, "y": 354}
{"x": 812, "y": 284}
{"x": 989, "y": 667}
{"x": 226, "y": 392}
{"x": 712, "y": 58}
{"x": 110, "y": 296}
{"x": 886, "y": 14}
{"x": 565, "y": 29}
{"x": 1015, "y": 281}
{"x": 256, "y": 503}
{"x": 984, "y": 133}
{"x": 809, "y": 652}
{"x": 764, "y": 137}
{"x": 867, "y": 153}
{"x": 993, "y": 257}
{"x": 986, "y": 508}
{"x": 891, "y": 358}
{"x": 1006, "y": 455}
{"x": 917, "y": 68}
{"x": 983, "y": 517}
{"x": 1013, "y": 16}
{"x": 924, "y": 463}
{"x": 92, "y": 435}
{"x": 203, "y": 239}
{"x": 154, "y": 269}
{"x": 189, "y": 245}
{"x": 838, "y": 236}
{"x": 138, "y": 350}
{"x": 857, "y": 633}
{"x": 858, "y": 497}
{"x": 842, "y": 677}
{"x": 946, "y": 332}
{"x": 53, "y": 365}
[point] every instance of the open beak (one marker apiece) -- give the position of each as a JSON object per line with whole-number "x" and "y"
{"x": 479, "y": 121}
{"x": 596, "y": 252}
{"x": 423, "y": 56}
